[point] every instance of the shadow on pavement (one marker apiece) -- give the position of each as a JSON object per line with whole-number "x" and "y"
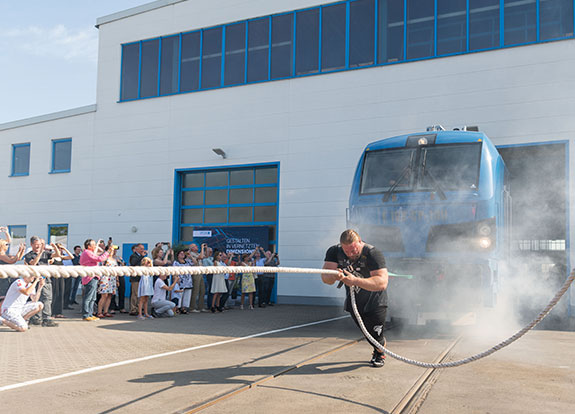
{"x": 242, "y": 375}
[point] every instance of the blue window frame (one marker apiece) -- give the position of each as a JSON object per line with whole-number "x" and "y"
{"x": 307, "y": 42}
{"x": 18, "y": 235}
{"x": 390, "y": 30}
{"x": 451, "y": 26}
{"x": 20, "y": 159}
{"x": 555, "y": 19}
{"x": 333, "y": 37}
{"x": 236, "y": 196}
{"x": 420, "y": 28}
{"x": 258, "y": 50}
{"x": 190, "y": 63}
{"x": 61, "y": 155}
{"x": 343, "y": 35}
{"x": 484, "y": 17}
{"x": 169, "y": 65}
{"x": 282, "y": 46}
{"x": 211, "y": 58}
{"x": 130, "y": 71}
{"x": 520, "y": 25}
{"x": 235, "y": 57}
{"x": 150, "y": 68}
{"x": 58, "y": 233}
{"x": 361, "y": 33}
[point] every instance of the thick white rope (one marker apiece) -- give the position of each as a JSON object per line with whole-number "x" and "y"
{"x": 472, "y": 358}
{"x": 15, "y": 271}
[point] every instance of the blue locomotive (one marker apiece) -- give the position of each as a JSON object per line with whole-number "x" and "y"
{"x": 438, "y": 205}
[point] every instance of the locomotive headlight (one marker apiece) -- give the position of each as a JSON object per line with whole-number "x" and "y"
{"x": 422, "y": 141}
{"x": 484, "y": 230}
{"x": 485, "y": 242}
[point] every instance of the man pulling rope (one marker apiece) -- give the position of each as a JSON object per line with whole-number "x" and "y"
{"x": 361, "y": 268}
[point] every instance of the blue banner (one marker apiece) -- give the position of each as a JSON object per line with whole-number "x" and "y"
{"x": 236, "y": 240}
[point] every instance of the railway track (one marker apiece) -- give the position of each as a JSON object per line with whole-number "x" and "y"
{"x": 408, "y": 404}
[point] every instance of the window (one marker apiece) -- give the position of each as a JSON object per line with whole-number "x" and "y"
{"x": 307, "y": 42}
{"x": 282, "y": 46}
{"x": 20, "y": 159}
{"x": 451, "y": 26}
{"x": 520, "y": 21}
{"x": 169, "y": 65}
{"x": 18, "y": 235}
{"x": 212, "y": 57}
{"x": 258, "y": 49}
{"x": 149, "y": 79}
{"x": 361, "y": 33}
{"x": 342, "y": 35}
{"x": 555, "y": 19}
{"x": 130, "y": 71}
{"x": 333, "y": 23}
{"x": 483, "y": 24}
{"x": 390, "y": 47}
{"x": 190, "y": 64}
{"x": 235, "y": 60}
{"x": 420, "y": 28}
{"x": 235, "y": 196}
{"x": 58, "y": 233}
{"x": 61, "y": 155}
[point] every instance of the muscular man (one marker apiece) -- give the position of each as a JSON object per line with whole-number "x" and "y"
{"x": 361, "y": 267}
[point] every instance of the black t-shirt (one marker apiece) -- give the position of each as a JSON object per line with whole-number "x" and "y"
{"x": 31, "y": 255}
{"x": 370, "y": 259}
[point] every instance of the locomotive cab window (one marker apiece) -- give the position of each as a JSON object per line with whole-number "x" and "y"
{"x": 397, "y": 171}
{"x": 451, "y": 167}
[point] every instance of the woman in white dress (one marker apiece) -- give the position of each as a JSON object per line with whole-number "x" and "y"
{"x": 218, "y": 284}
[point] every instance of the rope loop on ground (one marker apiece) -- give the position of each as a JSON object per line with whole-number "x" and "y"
{"x": 15, "y": 271}
{"x": 453, "y": 364}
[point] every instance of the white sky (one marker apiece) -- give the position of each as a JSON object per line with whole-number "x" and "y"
{"x": 48, "y": 54}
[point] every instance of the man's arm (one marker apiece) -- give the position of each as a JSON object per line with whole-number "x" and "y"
{"x": 376, "y": 281}
{"x": 171, "y": 287}
{"x": 27, "y": 291}
{"x": 330, "y": 279}
{"x": 35, "y": 261}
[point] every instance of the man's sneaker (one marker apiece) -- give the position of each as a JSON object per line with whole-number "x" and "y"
{"x": 377, "y": 359}
{"x": 35, "y": 321}
{"x": 49, "y": 323}
{"x": 195, "y": 311}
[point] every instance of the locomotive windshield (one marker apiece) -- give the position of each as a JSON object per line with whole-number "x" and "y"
{"x": 454, "y": 167}
{"x": 447, "y": 167}
{"x": 384, "y": 169}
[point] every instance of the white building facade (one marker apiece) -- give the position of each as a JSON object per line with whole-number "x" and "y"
{"x": 291, "y": 91}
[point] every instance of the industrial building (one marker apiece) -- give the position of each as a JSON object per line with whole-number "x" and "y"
{"x": 248, "y": 119}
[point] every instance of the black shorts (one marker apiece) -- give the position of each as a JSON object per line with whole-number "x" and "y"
{"x": 374, "y": 323}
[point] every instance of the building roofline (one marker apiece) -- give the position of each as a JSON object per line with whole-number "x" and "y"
{"x": 134, "y": 11}
{"x": 49, "y": 117}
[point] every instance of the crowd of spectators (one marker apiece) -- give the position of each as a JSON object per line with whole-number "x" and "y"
{"x": 39, "y": 301}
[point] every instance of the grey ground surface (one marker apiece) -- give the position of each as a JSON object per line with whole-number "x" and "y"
{"x": 536, "y": 374}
